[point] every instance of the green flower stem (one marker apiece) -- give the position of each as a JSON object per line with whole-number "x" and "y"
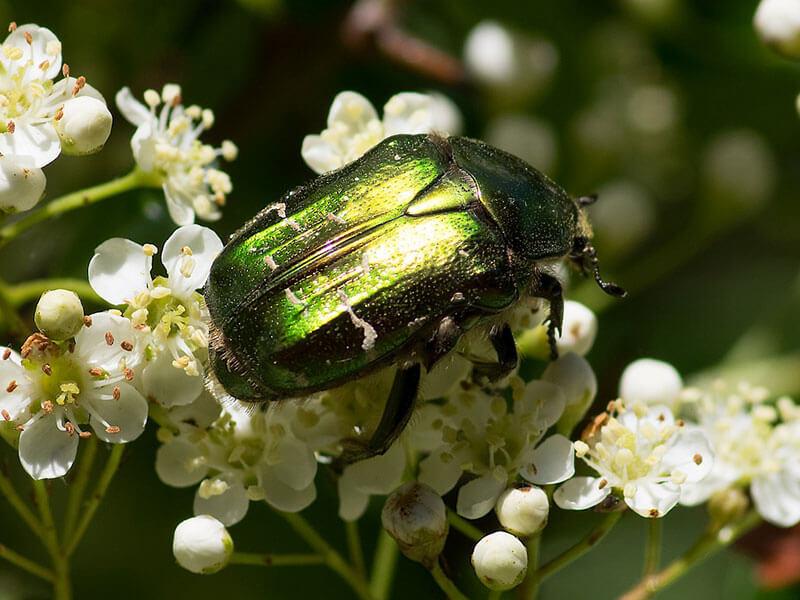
{"x": 459, "y": 523}
{"x": 494, "y": 595}
{"x": 61, "y": 581}
{"x": 383, "y": 566}
{"x": 28, "y": 291}
{"x": 709, "y": 544}
{"x": 529, "y": 590}
{"x": 445, "y": 584}
{"x": 75, "y": 200}
{"x": 16, "y": 502}
{"x": 109, "y": 470}
{"x": 276, "y": 560}
{"x": 78, "y": 486}
{"x": 594, "y": 537}
{"x": 355, "y": 548}
{"x": 8, "y": 312}
{"x": 25, "y": 564}
{"x": 652, "y": 550}
{"x": 332, "y": 558}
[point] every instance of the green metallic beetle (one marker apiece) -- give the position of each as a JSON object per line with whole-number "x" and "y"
{"x": 389, "y": 260}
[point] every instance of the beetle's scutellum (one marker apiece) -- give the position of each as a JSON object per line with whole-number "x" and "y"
{"x": 389, "y": 261}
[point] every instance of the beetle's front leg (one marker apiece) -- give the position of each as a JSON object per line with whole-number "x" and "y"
{"x": 502, "y": 341}
{"x": 549, "y": 288}
{"x": 396, "y": 413}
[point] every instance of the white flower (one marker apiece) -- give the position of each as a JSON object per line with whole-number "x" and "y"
{"x": 480, "y": 435}
{"x": 750, "y": 449}
{"x": 59, "y": 314}
{"x": 202, "y": 545}
{"x": 578, "y": 330}
{"x": 777, "y": 22}
{"x": 167, "y": 144}
{"x": 355, "y": 127}
{"x": 574, "y": 375}
{"x": 84, "y": 126}
{"x": 642, "y": 454}
{"x": 31, "y": 104}
{"x": 168, "y": 309}
{"x": 516, "y": 65}
{"x": 650, "y": 381}
{"x": 21, "y": 183}
{"x": 523, "y": 511}
{"x": 377, "y": 475}
{"x": 416, "y": 517}
{"x": 500, "y": 561}
{"x": 52, "y": 389}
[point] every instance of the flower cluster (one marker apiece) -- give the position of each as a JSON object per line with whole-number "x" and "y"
{"x": 40, "y": 117}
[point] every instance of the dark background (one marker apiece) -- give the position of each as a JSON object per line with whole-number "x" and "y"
{"x": 709, "y": 274}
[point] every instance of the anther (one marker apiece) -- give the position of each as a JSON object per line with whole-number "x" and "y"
{"x": 85, "y": 434}
{"x": 109, "y": 338}
{"x": 79, "y": 83}
{"x": 126, "y": 345}
{"x": 87, "y": 321}
{"x": 69, "y": 427}
{"x": 11, "y": 386}
{"x": 698, "y": 459}
{"x": 47, "y": 369}
{"x": 11, "y": 127}
{"x": 116, "y": 393}
{"x": 7, "y": 354}
{"x": 59, "y": 114}
{"x": 5, "y": 415}
{"x": 28, "y": 37}
{"x": 654, "y": 513}
{"x": 603, "y": 483}
{"x": 96, "y": 372}
{"x": 112, "y": 429}
{"x": 128, "y": 374}
{"x": 65, "y": 70}
{"x": 12, "y": 27}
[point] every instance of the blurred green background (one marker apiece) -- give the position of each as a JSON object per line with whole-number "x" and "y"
{"x": 671, "y": 109}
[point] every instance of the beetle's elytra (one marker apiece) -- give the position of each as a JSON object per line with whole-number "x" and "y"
{"x": 389, "y": 260}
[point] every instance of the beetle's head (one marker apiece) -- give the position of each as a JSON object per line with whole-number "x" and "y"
{"x": 583, "y": 254}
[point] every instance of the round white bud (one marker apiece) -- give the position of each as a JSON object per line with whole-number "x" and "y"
{"x": 59, "y": 314}
{"x": 21, "y": 183}
{"x": 84, "y": 126}
{"x": 651, "y": 382}
{"x": 777, "y": 23}
{"x": 202, "y": 545}
{"x": 574, "y": 375}
{"x": 578, "y": 330}
{"x": 415, "y": 516}
{"x": 500, "y": 561}
{"x": 523, "y": 511}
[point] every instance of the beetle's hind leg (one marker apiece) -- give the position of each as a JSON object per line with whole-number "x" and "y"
{"x": 502, "y": 341}
{"x": 549, "y": 288}
{"x": 396, "y": 413}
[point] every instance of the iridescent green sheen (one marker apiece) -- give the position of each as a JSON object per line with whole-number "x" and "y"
{"x": 357, "y": 269}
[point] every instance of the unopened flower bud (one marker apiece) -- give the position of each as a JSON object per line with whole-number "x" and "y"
{"x": 728, "y": 505}
{"x": 574, "y": 375}
{"x": 415, "y": 516}
{"x": 500, "y": 561}
{"x": 59, "y": 314}
{"x": 778, "y": 25}
{"x": 578, "y": 330}
{"x": 202, "y": 545}
{"x": 523, "y": 511}
{"x": 21, "y": 183}
{"x": 650, "y": 382}
{"x": 84, "y": 126}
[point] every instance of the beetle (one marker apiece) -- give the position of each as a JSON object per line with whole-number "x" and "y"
{"x": 389, "y": 260}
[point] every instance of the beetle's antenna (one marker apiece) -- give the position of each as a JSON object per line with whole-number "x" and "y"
{"x": 612, "y": 289}
{"x": 586, "y": 200}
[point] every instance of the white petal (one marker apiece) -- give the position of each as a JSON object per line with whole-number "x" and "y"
{"x": 776, "y": 499}
{"x": 168, "y": 385}
{"x": 352, "y": 502}
{"x": 180, "y": 210}
{"x": 119, "y": 270}
{"x": 446, "y": 115}
{"x": 440, "y": 471}
{"x": 190, "y": 272}
{"x": 143, "y": 146}
{"x": 408, "y": 112}
{"x": 35, "y": 52}
{"x": 477, "y": 497}
{"x": 553, "y": 461}
{"x": 691, "y": 455}
{"x": 177, "y": 463}
{"x": 653, "y": 499}
{"x": 92, "y": 343}
{"x": 17, "y": 403}
{"x": 21, "y": 183}
{"x": 133, "y": 110}
{"x": 39, "y": 141}
{"x": 45, "y": 451}
{"x": 722, "y": 476}
{"x": 284, "y": 498}
{"x": 444, "y": 377}
{"x": 351, "y": 110}
{"x": 296, "y": 464}
{"x": 379, "y": 474}
{"x": 229, "y": 507}
{"x": 580, "y": 493}
{"x": 129, "y": 413}
{"x": 62, "y": 91}
{"x": 320, "y": 155}
{"x": 544, "y": 399}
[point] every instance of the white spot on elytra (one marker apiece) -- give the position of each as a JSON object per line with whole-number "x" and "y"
{"x": 370, "y": 335}
{"x": 292, "y": 223}
{"x": 278, "y": 207}
{"x": 336, "y": 219}
{"x": 365, "y": 268}
{"x": 270, "y": 262}
{"x": 290, "y": 295}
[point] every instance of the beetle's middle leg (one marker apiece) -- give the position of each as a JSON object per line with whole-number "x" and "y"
{"x": 502, "y": 341}
{"x": 549, "y": 288}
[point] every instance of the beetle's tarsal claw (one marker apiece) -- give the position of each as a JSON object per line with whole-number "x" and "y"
{"x": 587, "y": 200}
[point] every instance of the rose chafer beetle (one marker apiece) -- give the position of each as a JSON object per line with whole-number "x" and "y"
{"x": 389, "y": 260}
